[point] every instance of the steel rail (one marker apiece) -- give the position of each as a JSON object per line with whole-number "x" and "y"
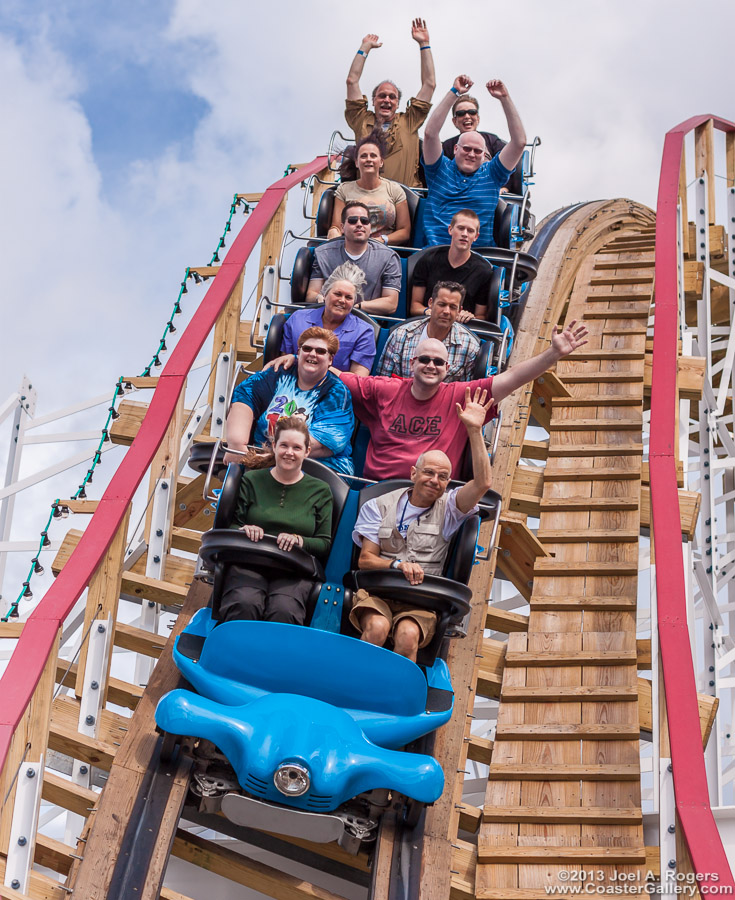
{"x": 690, "y": 780}
{"x": 23, "y": 672}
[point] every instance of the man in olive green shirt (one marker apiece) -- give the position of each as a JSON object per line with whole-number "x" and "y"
{"x": 400, "y": 130}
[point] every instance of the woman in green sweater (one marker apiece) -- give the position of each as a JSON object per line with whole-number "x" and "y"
{"x": 286, "y": 502}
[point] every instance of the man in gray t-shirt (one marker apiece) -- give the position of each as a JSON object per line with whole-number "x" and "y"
{"x": 380, "y": 264}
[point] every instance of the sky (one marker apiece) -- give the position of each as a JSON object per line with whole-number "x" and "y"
{"x": 128, "y": 127}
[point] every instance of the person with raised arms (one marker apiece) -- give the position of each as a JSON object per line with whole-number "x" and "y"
{"x": 400, "y": 129}
{"x": 467, "y": 181}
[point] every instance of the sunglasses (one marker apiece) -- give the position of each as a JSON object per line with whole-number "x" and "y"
{"x": 353, "y": 220}
{"x": 437, "y": 360}
{"x": 465, "y": 112}
{"x": 384, "y": 96}
{"x": 477, "y": 150}
{"x": 320, "y": 351}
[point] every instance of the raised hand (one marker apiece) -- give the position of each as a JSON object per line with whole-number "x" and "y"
{"x": 463, "y": 83}
{"x": 419, "y": 31}
{"x": 475, "y": 408}
{"x": 497, "y": 89}
{"x": 370, "y": 42}
{"x": 567, "y": 341}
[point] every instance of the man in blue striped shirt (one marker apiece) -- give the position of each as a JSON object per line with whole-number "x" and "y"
{"x": 467, "y": 181}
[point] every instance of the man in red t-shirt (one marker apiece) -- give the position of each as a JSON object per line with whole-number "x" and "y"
{"x": 407, "y": 417}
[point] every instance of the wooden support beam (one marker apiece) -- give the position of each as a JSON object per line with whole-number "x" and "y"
{"x": 504, "y": 620}
{"x": 119, "y": 692}
{"x": 492, "y": 663}
{"x": 133, "y": 760}
{"x": 480, "y": 749}
{"x": 138, "y": 640}
{"x": 53, "y": 854}
{"x": 527, "y": 490}
{"x": 42, "y": 887}
{"x": 29, "y": 740}
{"x": 689, "y": 379}
{"x": 103, "y": 598}
{"x": 535, "y": 449}
{"x": 545, "y": 388}
{"x": 67, "y": 795}
{"x": 142, "y": 382}
{"x": 241, "y": 870}
{"x": 519, "y": 551}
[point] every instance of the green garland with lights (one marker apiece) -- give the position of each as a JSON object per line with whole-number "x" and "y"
{"x": 58, "y": 510}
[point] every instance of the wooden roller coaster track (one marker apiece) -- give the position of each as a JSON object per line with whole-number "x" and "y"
{"x": 563, "y": 787}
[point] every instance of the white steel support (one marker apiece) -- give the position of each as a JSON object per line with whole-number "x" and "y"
{"x": 90, "y": 706}
{"x": 24, "y": 410}
{"x": 667, "y": 820}
{"x": 23, "y": 828}
{"x": 707, "y": 426}
{"x": 222, "y": 376}
{"x": 194, "y": 427}
{"x": 268, "y": 297}
{"x": 154, "y": 568}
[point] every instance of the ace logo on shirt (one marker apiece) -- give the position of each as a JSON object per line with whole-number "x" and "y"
{"x": 417, "y": 425}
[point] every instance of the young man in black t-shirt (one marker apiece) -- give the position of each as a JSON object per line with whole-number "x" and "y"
{"x": 457, "y": 263}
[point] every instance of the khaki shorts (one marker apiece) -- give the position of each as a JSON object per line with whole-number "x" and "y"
{"x": 393, "y": 612}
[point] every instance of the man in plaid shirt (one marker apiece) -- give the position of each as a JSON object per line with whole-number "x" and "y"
{"x": 441, "y": 324}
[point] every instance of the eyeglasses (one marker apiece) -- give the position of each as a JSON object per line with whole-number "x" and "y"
{"x": 466, "y": 112}
{"x": 430, "y": 473}
{"x": 384, "y": 96}
{"x": 437, "y": 360}
{"x": 472, "y": 149}
{"x": 353, "y": 220}
{"x": 320, "y": 351}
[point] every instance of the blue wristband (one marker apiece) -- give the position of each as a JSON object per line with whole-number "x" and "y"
{"x": 454, "y": 90}
{"x": 427, "y": 47}
{"x": 361, "y": 53}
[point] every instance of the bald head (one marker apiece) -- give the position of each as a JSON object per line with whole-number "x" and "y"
{"x": 432, "y": 458}
{"x": 469, "y": 152}
{"x": 431, "y": 347}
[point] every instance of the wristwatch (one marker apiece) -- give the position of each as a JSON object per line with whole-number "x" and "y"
{"x": 396, "y": 563}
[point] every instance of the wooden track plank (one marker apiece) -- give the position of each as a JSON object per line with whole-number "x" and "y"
{"x": 545, "y": 814}
{"x": 551, "y": 732}
{"x": 597, "y": 855}
{"x": 566, "y": 772}
{"x": 577, "y": 658}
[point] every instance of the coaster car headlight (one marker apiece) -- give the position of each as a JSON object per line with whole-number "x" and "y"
{"x": 292, "y": 779}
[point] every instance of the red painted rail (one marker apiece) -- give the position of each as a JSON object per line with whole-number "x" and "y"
{"x": 37, "y": 638}
{"x": 690, "y": 779}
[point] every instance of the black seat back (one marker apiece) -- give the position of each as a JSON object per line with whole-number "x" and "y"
{"x": 301, "y": 274}
{"x": 324, "y": 212}
{"x": 502, "y": 224}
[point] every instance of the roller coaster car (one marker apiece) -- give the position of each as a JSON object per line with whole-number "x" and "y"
{"x": 296, "y": 730}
